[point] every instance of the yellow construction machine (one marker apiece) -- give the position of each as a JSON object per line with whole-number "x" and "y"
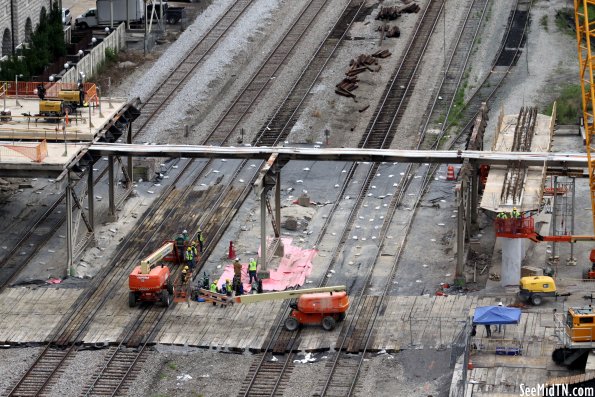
{"x": 67, "y": 102}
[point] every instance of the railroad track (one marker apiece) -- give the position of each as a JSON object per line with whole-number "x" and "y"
{"x": 356, "y": 336}
{"x": 53, "y": 218}
{"x": 77, "y": 324}
{"x": 506, "y": 58}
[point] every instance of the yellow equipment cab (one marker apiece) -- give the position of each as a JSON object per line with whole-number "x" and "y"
{"x": 535, "y": 288}
{"x": 580, "y": 324}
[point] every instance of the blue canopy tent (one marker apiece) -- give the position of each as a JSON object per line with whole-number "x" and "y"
{"x": 487, "y": 315}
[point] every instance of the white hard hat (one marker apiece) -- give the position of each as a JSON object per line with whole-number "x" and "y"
{"x": 499, "y": 303}
{"x": 251, "y": 259}
{"x": 237, "y": 258}
{"x": 185, "y": 231}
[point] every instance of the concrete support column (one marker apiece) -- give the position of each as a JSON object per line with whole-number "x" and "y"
{"x": 129, "y": 164}
{"x": 278, "y": 204}
{"x": 474, "y": 195}
{"x": 460, "y": 266}
{"x": 90, "y": 197}
{"x": 69, "y": 248}
{"x": 262, "y": 271}
{"x": 263, "y": 230}
{"x": 512, "y": 256}
{"x": 110, "y": 184}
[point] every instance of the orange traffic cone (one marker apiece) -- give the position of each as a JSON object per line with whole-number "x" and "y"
{"x": 470, "y": 365}
{"x": 450, "y": 173}
{"x": 232, "y": 253}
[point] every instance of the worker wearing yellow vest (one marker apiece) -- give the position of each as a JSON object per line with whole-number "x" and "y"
{"x": 201, "y": 239}
{"x": 252, "y": 270}
{"x": 214, "y": 289}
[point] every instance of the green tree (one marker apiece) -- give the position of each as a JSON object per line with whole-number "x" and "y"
{"x": 47, "y": 44}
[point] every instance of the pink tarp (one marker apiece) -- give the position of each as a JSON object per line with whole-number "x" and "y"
{"x": 295, "y": 266}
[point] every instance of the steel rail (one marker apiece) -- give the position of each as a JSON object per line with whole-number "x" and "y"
{"x": 214, "y": 34}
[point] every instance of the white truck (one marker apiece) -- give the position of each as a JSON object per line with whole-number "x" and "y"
{"x": 111, "y": 12}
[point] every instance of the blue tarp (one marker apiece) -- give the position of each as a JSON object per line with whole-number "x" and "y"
{"x": 496, "y": 315}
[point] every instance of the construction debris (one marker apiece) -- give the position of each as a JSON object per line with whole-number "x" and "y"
{"x": 348, "y": 83}
{"x": 363, "y": 60}
{"x": 389, "y": 13}
{"x": 362, "y": 63}
{"x": 410, "y": 9}
{"x": 390, "y": 31}
{"x": 382, "y": 54}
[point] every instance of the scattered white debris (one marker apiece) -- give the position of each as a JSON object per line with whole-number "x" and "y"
{"x": 51, "y": 251}
{"x": 354, "y": 237}
{"x": 223, "y": 160}
{"x": 113, "y": 230}
{"x": 395, "y": 184}
{"x": 378, "y": 174}
{"x": 157, "y": 184}
{"x": 418, "y": 281}
{"x": 424, "y": 265}
{"x": 401, "y": 173}
{"x": 140, "y": 180}
{"x": 216, "y": 171}
{"x": 306, "y": 169}
{"x": 447, "y": 275}
{"x": 363, "y": 239}
{"x": 377, "y": 207}
{"x": 252, "y": 165}
{"x": 433, "y": 240}
{"x": 150, "y": 192}
{"x": 373, "y": 237}
{"x": 343, "y": 171}
{"x": 299, "y": 181}
{"x": 329, "y": 275}
{"x": 332, "y": 271}
{"x": 441, "y": 224}
{"x": 203, "y": 184}
{"x": 274, "y": 359}
{"x": 371, "y": 220}
{"x": 218, "y": 266}
{"x": 184, "y": 377}
{"x": 98, "y": 197}
{"x": 381, "y": 352}
{"x": 337, "y": 185}
{"x": 241, "y": 181}
{"x": 373, "y": 187}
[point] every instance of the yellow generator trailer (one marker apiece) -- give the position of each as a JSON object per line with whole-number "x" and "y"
{"x": 51, "y": 108}
{"x": 71, "y": 96}
{"x": 535, "y": 288}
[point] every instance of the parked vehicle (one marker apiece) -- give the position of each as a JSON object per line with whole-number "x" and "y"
{"x": 172, "y": 15}
{"x": 66, "y": 16}
{"x": 107, "y": 12}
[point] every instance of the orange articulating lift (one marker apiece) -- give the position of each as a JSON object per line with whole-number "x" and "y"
{"x": 151, "y": 281}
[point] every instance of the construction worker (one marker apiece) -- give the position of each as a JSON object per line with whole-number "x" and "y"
{"x": 201, "y": 239}
{"x": 237, "y": 267}
{"x": 237, "y": 285}
{"x": 252, "y": 270}
{"x": 515, "y": 214}
{"x": 228, "y": 287}
{"x": 185, "y": 275}
{"x": 180, "y": 244}
{"x": 214, "y": 289}
{"x": 190, "y": 258}
{"x": 502, "y": 215}
{"x": 185, "y": 235}
{"x": 194, "y": 250}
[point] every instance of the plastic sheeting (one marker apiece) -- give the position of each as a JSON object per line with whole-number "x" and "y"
{"x": 294, "y": 268}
